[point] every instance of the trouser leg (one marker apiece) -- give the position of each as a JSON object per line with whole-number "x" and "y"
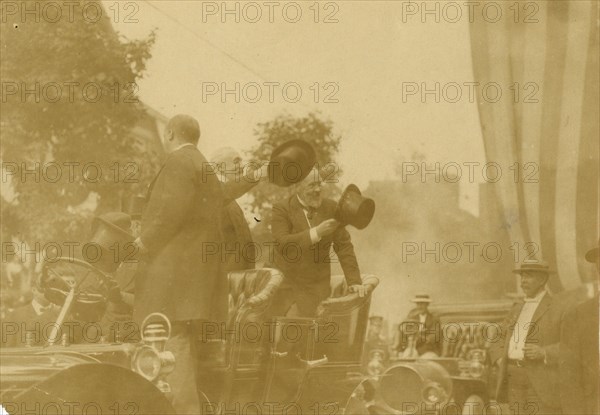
{"x": 183, "y": 378}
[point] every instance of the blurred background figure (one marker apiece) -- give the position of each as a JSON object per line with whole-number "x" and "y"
{"x": 27, "y": 324}
{"x": 578, "y": 363}
{"x": 427, "y": 336}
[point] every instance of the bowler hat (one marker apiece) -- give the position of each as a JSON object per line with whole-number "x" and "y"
{"x": 110, "y": 231}
{"x": 134, "y": 206}
{"x": 592, "y": 254}
{"x": 421, "y": 298}
{"x": 354, "y": 209}
{"x": 291, "y": 162}
{"x": 533, "y": 266}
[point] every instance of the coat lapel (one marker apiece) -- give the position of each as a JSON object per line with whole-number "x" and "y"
{"x": 299, "y": 221}
{"x": 544, "y": 305}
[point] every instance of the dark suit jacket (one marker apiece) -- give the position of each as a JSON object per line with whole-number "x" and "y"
{"x": 238, "y": 238}
{"x": 545, "y": 332}
{"x": 578, "y": 364}
{"x": 236, "y": 231}
{"x": 181, "y": 230}
{"x": 428, "y": 339}
{"x": 306, "y": 265}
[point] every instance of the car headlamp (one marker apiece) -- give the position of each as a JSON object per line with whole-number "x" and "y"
{"x": 433, "y": 393}
{"x": 147, "y": 363}
{"x": 476, "y": 369}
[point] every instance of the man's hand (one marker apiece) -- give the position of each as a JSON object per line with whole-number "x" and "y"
{"x": 534, "y": 352}
{"x": 140, "y": 248}
{"x": 360, "y": 289}
{"x": 264, "y": 171}
{"x": 327, "y": 227}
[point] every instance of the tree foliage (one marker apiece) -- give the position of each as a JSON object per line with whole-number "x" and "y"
{"x": 76, "y": 144}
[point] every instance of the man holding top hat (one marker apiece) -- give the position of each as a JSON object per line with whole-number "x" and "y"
{"x": 526, "y": 351}
{"x": 579, "y": 366}
{"x": 180, "y": 222}
{"x": 305, "y": 229}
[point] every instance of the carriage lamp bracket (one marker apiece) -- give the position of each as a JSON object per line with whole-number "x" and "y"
{"x": 311, "y": 364}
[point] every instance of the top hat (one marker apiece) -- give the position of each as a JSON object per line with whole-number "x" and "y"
{"x": 533, "y": 266}
{"x": 110, "y": 230}
{"x": 421, "y": 298}
{"x": 291, "y": 162}
{"x": 354, "y": 209}
{"x": 134, "y": 206}
{"x": 592, "y": 254}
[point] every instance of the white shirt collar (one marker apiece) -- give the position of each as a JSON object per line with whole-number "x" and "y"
{"x": 182, "y": 146}
{"x": 537, "y": 298}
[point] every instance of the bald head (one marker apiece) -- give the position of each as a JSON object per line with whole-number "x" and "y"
{"x": 182, "y": 129}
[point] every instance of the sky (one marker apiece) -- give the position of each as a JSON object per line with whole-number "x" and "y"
{"x": 351, "y": 65}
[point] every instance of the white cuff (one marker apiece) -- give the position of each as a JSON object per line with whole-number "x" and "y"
{"x": 314, "y": 236}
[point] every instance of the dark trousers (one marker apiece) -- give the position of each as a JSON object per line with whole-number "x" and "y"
{"x": 183, "y": 380}
{"x": 305, "y": 298}
{"x": 522, "y": 396}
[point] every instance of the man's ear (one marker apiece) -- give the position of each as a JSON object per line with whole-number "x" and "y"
{"x": 169, "y": 135}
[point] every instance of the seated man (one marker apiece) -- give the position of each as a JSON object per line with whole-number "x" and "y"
{"x": 427, "y": 329}
{"x": 304, "y": 229}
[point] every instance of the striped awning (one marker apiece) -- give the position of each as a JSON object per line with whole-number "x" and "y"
{"x": 545, "y": 60}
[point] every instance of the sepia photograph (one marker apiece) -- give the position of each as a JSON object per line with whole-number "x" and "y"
{"x": 310, "y": 207}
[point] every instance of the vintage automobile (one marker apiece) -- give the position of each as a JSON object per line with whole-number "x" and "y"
{"x": 99, "y": 377}
{"x": 259, "y": 363}
{"x": 460, "y": 380}
{"x": 272, "y": 364}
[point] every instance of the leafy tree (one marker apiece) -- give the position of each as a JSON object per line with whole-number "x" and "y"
{"x": 73, "y": 131}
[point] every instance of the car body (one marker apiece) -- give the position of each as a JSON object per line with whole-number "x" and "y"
{"x": 277, "y": 365}
{"x": 459, "y": 380}
{"x": 88, "y": 377}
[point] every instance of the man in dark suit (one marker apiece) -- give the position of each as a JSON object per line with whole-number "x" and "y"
{"x": 305, "y": 230}
{"x": 579, "y": 366}
{"x": 239, "y": 252}
{"x": 427, "y": 330}
{"x": 526, "y": 351}
{"x": 180, "y": 226}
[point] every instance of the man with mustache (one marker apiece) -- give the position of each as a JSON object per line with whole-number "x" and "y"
{"x": 305, "y": 230}
{"x": 526, "y": 351}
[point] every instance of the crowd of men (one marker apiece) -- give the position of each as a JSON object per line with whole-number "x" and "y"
{"x": 188, "y": 207}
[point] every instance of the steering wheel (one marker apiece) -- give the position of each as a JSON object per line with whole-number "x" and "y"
{"x": 90, "y": 285}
